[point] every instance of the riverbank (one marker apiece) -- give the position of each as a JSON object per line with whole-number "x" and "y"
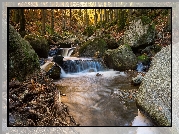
{"x": 36, "y": 102}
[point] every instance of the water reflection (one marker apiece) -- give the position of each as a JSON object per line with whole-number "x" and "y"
{"x": 108, "y": 100}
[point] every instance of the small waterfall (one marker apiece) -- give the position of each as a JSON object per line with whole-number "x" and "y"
{"x": 76, "y": 66}
{"x": 63, "y": 74}
{"x": 140, "y": 67}
{"x": 66, "y": 52}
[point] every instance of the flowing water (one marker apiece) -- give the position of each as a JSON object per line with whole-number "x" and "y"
{"x": 98, "y": 97}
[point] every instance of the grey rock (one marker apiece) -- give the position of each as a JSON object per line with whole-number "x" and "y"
{"x": 137, "y": 80}
{"x": 154, "y": 96}
{"x": 139, "y": 34}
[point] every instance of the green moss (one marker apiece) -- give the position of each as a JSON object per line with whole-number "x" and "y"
{"x": 145, "y": 19}
{"x": 128, "y": 46}
{"x": 143, "y": 58}
{"x": 93, "y": 46}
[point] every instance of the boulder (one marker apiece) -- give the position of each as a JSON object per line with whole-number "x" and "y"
{"x": 39, "y": 44}
{"x": 52, "y": 69}
{"x": 154, "y": 95}
{"x": 112, "y": 44}
{"x": 23, "y": 60}
{"x": 93, "y": 48}
{"x": 58, "y": 59}
{"x": 139, "y": 34}
{"x": 120, "y": 59}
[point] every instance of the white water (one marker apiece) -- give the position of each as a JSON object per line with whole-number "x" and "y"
{"x": 140, "y": 67}
{"x": 141, "y": 120}
{"x": 66, "y": 52}
{"x": 108, "y": 73}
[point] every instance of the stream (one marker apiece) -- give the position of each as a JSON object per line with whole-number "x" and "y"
{"x": 99, "y": 98}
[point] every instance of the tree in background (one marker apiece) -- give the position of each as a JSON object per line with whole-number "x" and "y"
{"x": 22, "y": 22}
{"x": 43, "y": 32}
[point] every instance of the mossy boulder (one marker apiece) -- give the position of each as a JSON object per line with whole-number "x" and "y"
{"x": 93, "y": 48}
{"x": 111, "y": 43}
{"x": 39, "y": 44}
{"x": 121, "y": 58}
{"x": 154, "y": 94}
{"x": 139, "y": 34}
{"x": 58, "y": 59}
{"x": 23, "y": 60}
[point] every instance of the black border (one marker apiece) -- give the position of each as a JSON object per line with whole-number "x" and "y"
{"x": 8, "y": 11}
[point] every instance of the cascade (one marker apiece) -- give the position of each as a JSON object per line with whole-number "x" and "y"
{"x": 82, "y": 65}
{"x": 66, "y": 52}
{"x": 140, "y": 67}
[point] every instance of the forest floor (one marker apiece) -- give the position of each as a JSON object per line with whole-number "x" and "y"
{"x": 36, "y": 102}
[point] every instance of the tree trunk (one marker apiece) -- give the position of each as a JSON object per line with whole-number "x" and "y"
{"x": 105, "y": 15}
{"x": 95, "y": 17}
{"x": 86, "y": 18}
{"x": 43, "y": 22}
{"x": 169, "y": 20}
{"x": 52, "y": 21}
{"x": 70, "y": 20}
{"x": 101, "y": 15}
{"x": 22, "y": 23}
{"x": 111, "y": 15}
{"x": 116, "y": 14}
{"x": 16, "y": 16}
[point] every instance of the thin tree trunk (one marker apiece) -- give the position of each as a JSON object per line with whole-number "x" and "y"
{"x": 95, "y": 17}
{"x": 105, "y": 15}
{"x": 116, "y": 14}
{"x": 52, "y": 21}
{"x": 70, "y": 20}
{"x": 169, "y": 20}
{"x": 22, "y": 23}
{"x": 86, "y": 18}
{"x": 17, "y": 17}
{"x": 43, "y": 22}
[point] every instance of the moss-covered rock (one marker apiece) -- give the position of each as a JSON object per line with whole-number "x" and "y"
{"x": 23, "y": 60}
{"x": 93, "y": 48}
{"x": 154, "y": 95}
{"x": 111, "y": 43}
{"x": 39, "y": 44}
{"x": 144, "y": 59}
{"x": 121, "y": 58}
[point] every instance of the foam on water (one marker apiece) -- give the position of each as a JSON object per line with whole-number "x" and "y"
{"x": 108, "y": 73}
{"x": 141, "y": 120}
